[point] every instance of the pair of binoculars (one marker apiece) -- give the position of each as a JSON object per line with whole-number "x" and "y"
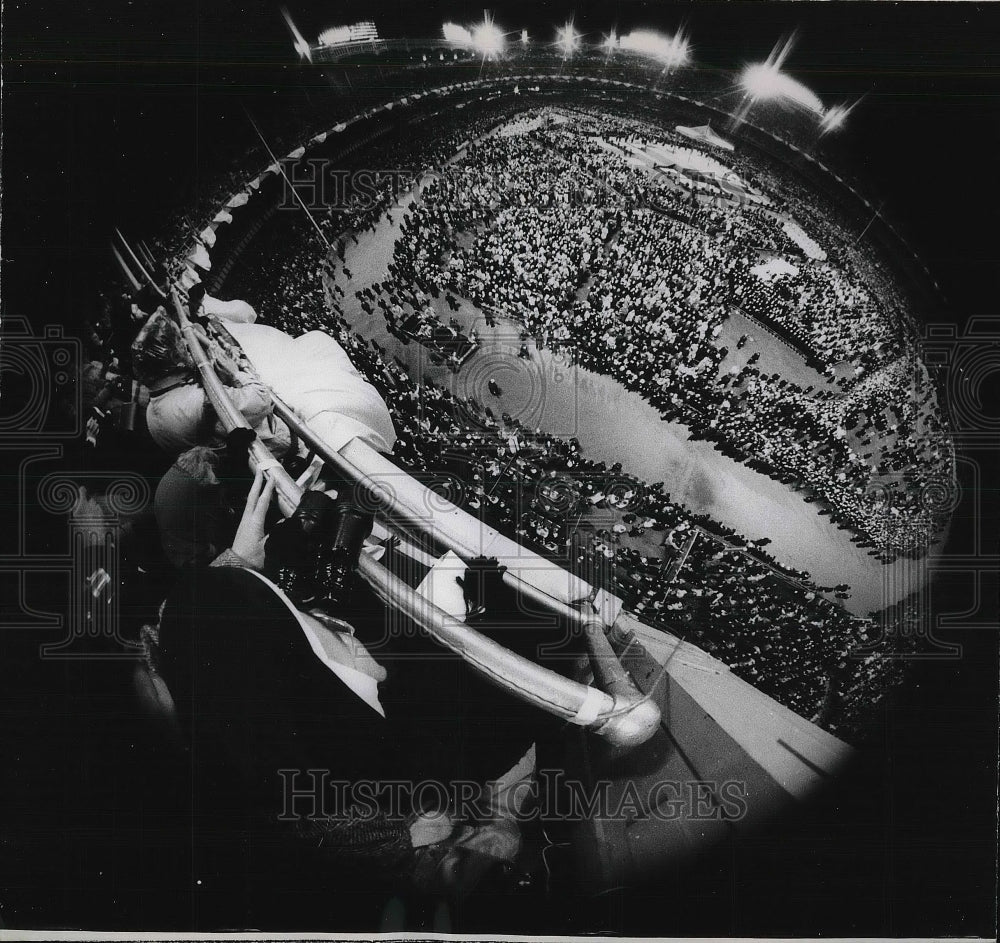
{"x": 313, "y": 554}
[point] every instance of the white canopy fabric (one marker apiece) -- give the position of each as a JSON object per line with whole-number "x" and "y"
{"x": 706, "y": 135}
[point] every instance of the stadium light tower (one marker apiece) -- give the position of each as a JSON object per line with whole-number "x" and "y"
{"x": 485, "y": 38}
{"x": 567, "y": 39}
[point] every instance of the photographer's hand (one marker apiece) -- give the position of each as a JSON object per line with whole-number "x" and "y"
{"x": 250, "y": 537}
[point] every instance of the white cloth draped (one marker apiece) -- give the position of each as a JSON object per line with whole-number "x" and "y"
{"x": 230, "y": 311}
{"x": 315, "y": 377}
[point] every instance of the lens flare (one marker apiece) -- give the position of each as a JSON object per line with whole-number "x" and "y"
{"x": 487, "y": 38}
{"x": 835, "y": 118}
{"x": 459, "y": 35}
{"x": 672, "y": 51}
{"x": 567, "y": 39}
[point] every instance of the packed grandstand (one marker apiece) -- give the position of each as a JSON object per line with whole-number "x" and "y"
{"x": 507, "y": 222}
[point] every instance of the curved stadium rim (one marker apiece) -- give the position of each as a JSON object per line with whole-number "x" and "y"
{"x": 900, "y": 252}
{"x": 336, "y": 55}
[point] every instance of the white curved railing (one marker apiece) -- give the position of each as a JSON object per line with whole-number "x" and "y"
{"x": 617, "y": 710}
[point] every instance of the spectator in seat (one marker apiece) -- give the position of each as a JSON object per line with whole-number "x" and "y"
{"x": 195, "y": 519}
{"x": 179, "y": 415}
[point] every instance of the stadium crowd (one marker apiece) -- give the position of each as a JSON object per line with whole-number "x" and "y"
{"x": 604, "y": 262}
{"x": 769, "y": 623}
{"x": 633, "y": 277}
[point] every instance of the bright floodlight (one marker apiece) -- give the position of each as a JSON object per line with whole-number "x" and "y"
{"x": 670, "y": 50}
{"x": 355, "y": 33}
{"x": 567, "y": 39}
{"x": 335, "y": 36}
{"x": 524, "y": 37}
{"x": 487, "y": 38}
{"x": 457, "y": 34}
{"x": 611, "y": 43}
{"x": 765, "y": 80}
{"x": 834, "y": 118}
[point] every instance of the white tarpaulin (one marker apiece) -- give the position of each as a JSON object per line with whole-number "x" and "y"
{"x": 200, "y": 257}
{"x": 315, "y": 377}
{"x": 230, "y": 311}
